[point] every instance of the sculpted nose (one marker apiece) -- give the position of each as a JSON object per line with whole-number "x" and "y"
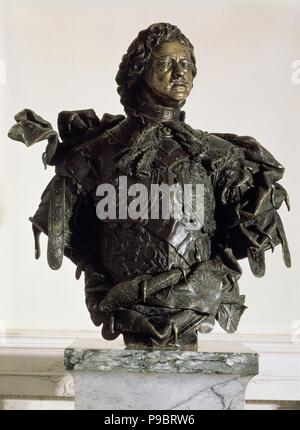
{"x": 178, "y": 70}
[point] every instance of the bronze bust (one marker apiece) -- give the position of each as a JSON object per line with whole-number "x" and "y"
{"x": 156, "y": 280}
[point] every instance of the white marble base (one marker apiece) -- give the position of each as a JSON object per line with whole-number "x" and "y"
{"x": 120, "y": 379}
{"x": 127, "y": 391}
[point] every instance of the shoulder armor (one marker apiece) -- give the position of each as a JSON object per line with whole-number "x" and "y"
{"x": 252, "y": 149}
{"x": 84, "y": 123}
{"x": 77, "y": 127}
{"x": 219, "y": 152}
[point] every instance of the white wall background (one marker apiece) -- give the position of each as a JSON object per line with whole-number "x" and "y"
{"x": 64, "y": 54}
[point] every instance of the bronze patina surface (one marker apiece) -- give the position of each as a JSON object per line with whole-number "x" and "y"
{"x": 156, "y": 281}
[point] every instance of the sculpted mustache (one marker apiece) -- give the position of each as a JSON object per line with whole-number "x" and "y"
{"x": 178, "y": 82}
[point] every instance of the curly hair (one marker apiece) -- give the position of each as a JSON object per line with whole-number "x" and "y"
{"x": 129, "y": 76}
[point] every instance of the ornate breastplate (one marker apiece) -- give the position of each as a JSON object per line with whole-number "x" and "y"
{"x": 134, "y": 246}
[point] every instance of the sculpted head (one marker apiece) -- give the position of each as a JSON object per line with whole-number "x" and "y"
{"x": 159, "y": 65}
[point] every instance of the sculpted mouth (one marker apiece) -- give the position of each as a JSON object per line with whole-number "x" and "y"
{"x": 178, "y": 83}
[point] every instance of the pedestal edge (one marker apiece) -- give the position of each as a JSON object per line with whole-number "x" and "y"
{"x": 161, "y": 361}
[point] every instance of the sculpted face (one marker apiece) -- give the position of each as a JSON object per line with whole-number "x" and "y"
{"x": 169, "y": 74}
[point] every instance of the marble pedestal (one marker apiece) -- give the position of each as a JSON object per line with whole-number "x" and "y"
{"x": 214, "y": 377}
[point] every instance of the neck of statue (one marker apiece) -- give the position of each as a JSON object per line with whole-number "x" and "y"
{"x": 151, "y": 109}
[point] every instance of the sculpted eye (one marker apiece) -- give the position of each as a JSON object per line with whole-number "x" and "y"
{"x": 186, "y": 64}
{"x": 165, "y": 64}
